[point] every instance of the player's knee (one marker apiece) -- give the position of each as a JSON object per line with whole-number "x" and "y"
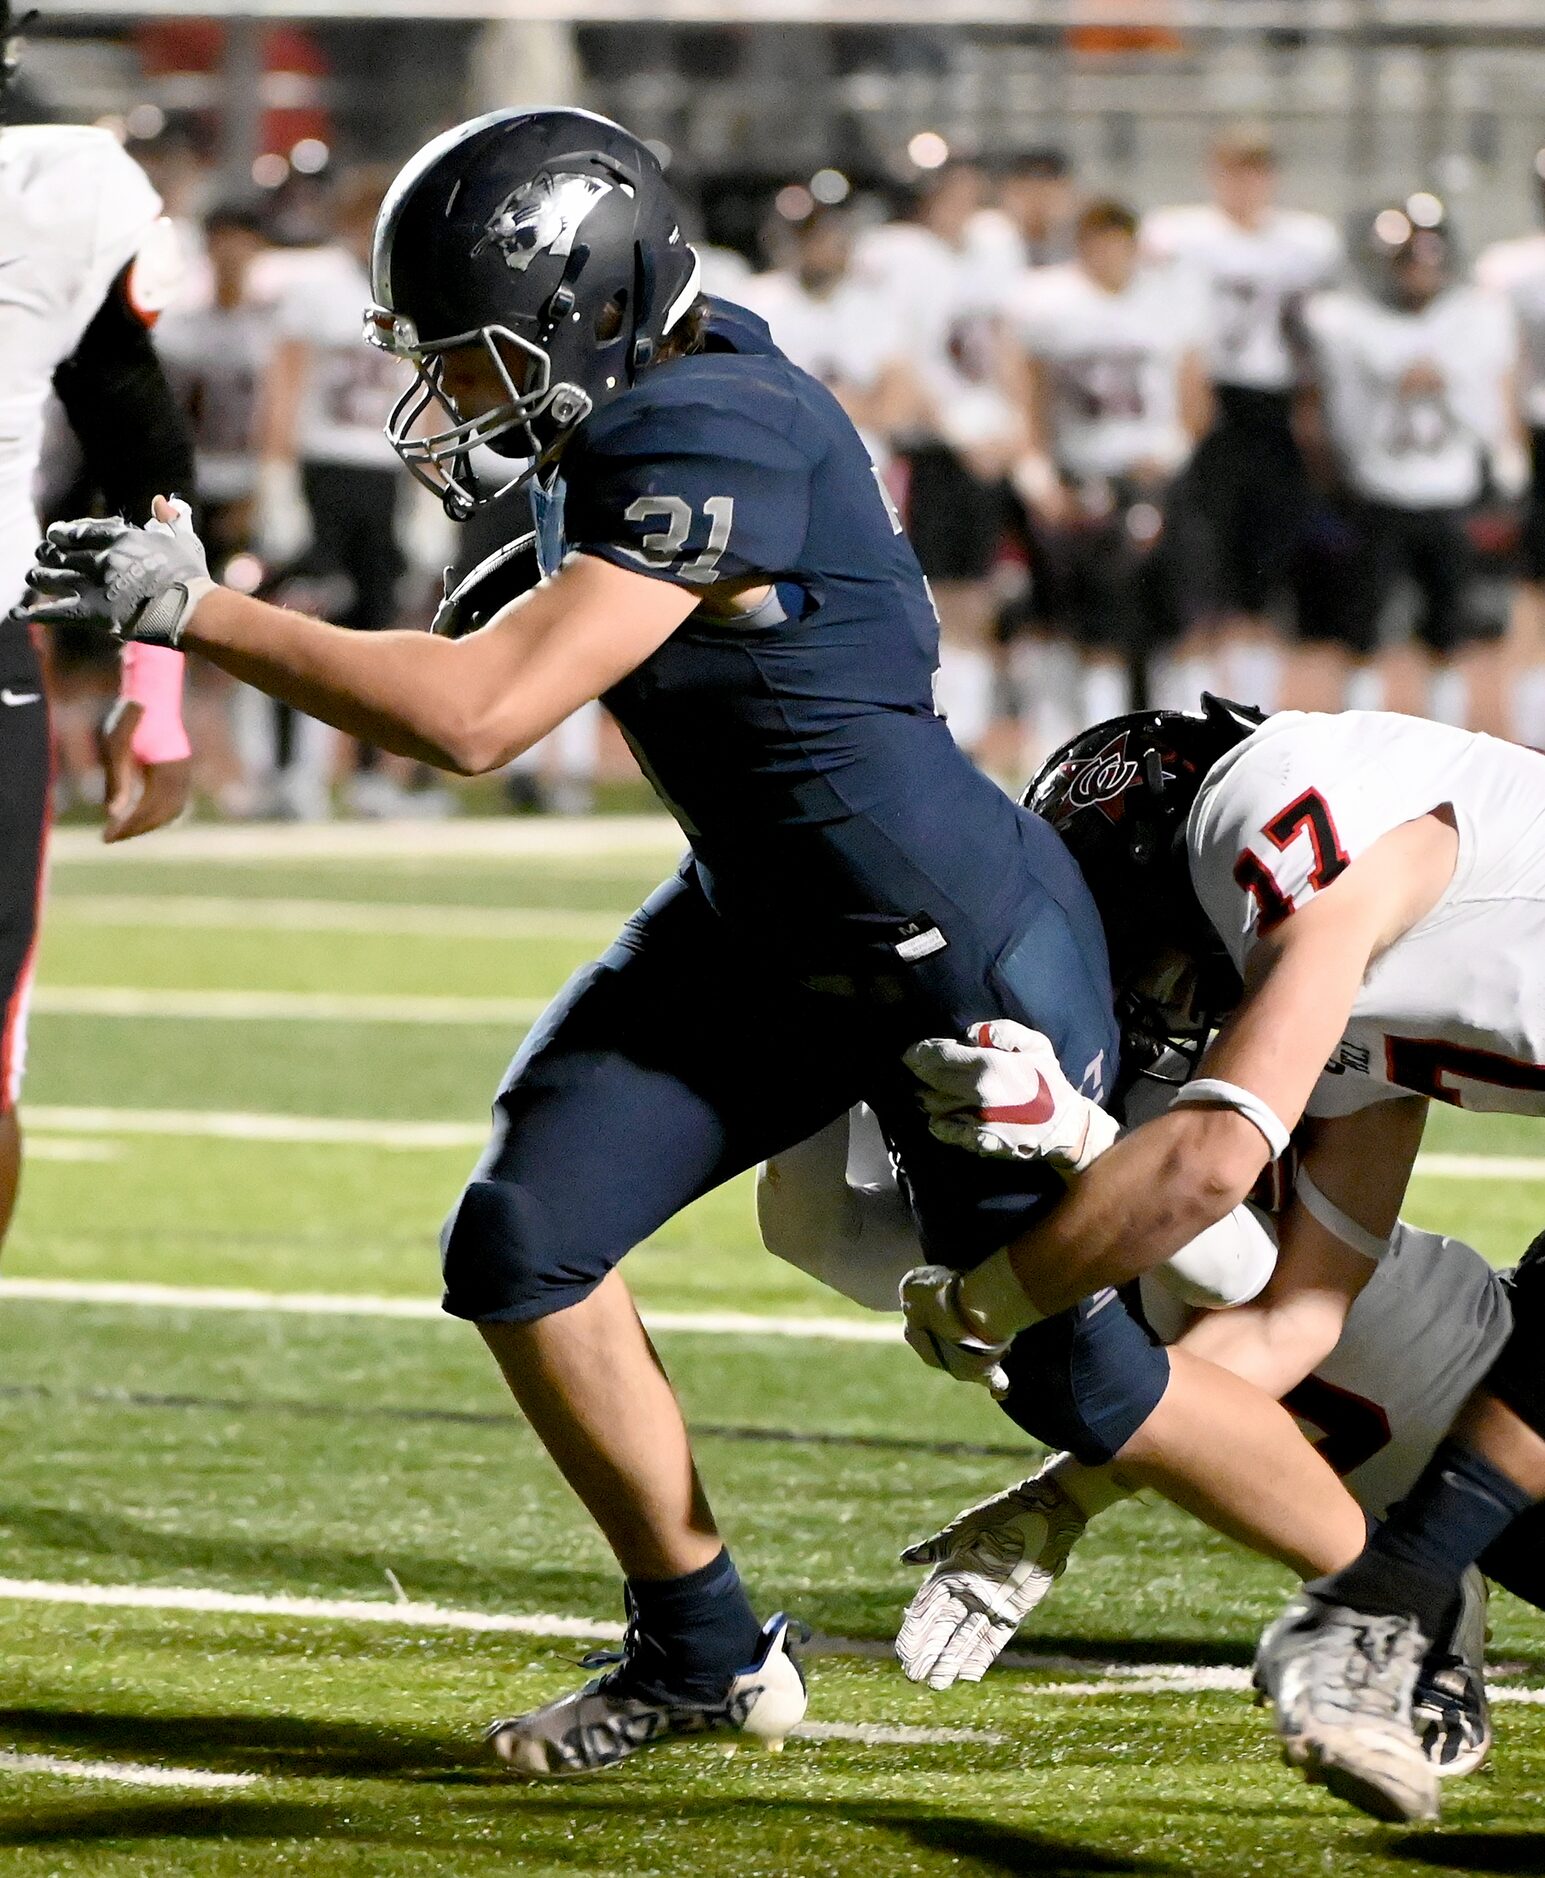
{"x": 502, "y": 1258}
{"x": 1086, "y": 1381}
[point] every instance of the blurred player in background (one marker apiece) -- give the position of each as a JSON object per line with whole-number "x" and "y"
{"x": 1415, "y": 386}
{"x": 1118, "y": 397}
{"x": 331, "y": 485}
{"x": 1034, "y": 210}
{"x": 1255, "y": 264}
{"x": 216, "y": 350}
{"x": 1516, "y": 270}
{"x": 838, "y": 326}
{"x": 947, "y": 298}
{"x": 85, "y": 265}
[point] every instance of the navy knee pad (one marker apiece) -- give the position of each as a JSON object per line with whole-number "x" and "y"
{"x": 1087, "y": 1379}
{"x": 503, "y": 1260}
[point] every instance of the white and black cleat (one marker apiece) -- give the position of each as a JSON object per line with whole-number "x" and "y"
{"x": 1449, "y": 1708}
{"x": 1340, "y": 1684}
{"x": 618, "y": 1714}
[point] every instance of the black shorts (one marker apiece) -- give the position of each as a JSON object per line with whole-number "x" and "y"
{"x": 955, "y": 523}
{"x": 1531, "y": 547}
{"x": 1246, "y": 494}
{"x": 1109, "y": 582}
{"x": 25, "y": 784}
{"x": 354, "y": 533}
{"x": 1429, "y": 548}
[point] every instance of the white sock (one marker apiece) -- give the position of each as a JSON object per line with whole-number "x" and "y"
{"x": 1528, "y": 707}
{"x": 577, "y": 743}
{"x": 1253, "y": 673}
{"x": 1106, "y": 690}
{"x": 1178, "y": 683}
{"x": 312, "y": 748}
{"x": 964, "y": 693}
{"x": 1045, "y": 673}
{"x": 253, "y": 732}
{"x": 1364, "y": 692}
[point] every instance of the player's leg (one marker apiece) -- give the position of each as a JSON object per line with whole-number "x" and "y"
{"x": 1462, "y": 638}
{"x": 25, "y": 783}
{"x": 1334, "y": 624}
{"x": 955, "y": 522}
{"x": 623, "y": 1106}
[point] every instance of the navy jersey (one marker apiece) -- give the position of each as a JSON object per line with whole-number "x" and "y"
{"x": 798, "y": 746}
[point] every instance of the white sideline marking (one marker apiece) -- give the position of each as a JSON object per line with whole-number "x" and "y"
{"x": 61, "y": 1148}
{"x": 1481, "y": 1166}
{"x": 350, "y": 916}
{"x": 236, "y": 1125}
{"x": 628, "y": 837}
{"x": 304, "y": 1006}
{"x": 120, "y": 1773}
{"x": 885, "y": 1734}
{"x": 341, "y": 1304}
{"x": 199, "y": 1598}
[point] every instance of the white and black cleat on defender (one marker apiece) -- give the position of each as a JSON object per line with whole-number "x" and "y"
{"x": 1340, "y": 1684}
{"x": 618, "y": 1714}
{"x": 1449, "y": 1709}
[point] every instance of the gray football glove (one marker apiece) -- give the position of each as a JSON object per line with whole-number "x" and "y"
{"x": 135, "y": 583}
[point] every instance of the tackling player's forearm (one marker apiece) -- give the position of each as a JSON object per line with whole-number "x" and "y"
{"x": 1139, "y": 1203}
{"x": 402, "y": 691}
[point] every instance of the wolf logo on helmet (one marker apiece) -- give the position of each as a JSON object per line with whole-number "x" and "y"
{"x": 541, "y": 217}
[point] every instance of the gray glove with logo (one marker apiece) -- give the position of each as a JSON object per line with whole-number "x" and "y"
{"x": 135, "y": 583}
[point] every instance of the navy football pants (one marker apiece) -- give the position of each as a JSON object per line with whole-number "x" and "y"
{"x": 680, "y": 1059}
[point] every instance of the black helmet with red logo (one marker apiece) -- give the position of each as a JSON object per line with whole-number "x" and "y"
{"x": 1120, "y": 796}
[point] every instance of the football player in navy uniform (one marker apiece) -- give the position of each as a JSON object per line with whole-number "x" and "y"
{"x": 721, "y": 566}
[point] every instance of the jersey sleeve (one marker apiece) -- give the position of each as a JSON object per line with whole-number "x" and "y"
{"x": 693, "y": 495}
{"x": 126, "y": 222}
{"x": 1284, "y": 816}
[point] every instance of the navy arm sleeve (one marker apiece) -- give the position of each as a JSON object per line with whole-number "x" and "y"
{"x": 132, "y": 431}
{"x": 691, "y": 494}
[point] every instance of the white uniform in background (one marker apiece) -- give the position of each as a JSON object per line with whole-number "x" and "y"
{"x": 1113, "y": 363}
{"x": 1455, "y": 1008}
{"x": 846, "y": 337}
{"x": 75, "y": 211}
{"x": 215, "y": 358}
{"x": 351, "y": 387}
{"x": 1252, "y": 279}
{"x": 1421, "y": 450}
{"x": 1516, "y": 271}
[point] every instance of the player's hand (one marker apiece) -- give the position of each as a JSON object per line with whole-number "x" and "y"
{"x": 140, "y": 797}
{"x": 1002, "y": 1093}
{"x": 135, "y": 583}
{"x": 941, "y": 1334}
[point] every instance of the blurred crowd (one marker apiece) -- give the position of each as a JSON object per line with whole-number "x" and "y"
{"x": 1225, "y": 445}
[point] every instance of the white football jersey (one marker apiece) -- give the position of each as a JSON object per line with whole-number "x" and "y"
{"x": 845, "y": 337}
{"x": 949, "y": 303}
{"x": 1112, "y": 362}
{"x": 351, "y": 386}
{"x": 1516, "y": 271}
{"x": 215, "y": 358}
{"x": 1455, "y": 1008}
{"x": 1423, "y": 447}
{"x": 75, "y": 210}
{"x": 1253, "y": 279}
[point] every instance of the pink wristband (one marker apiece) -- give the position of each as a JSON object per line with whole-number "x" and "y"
{"x": 152, "y": 677}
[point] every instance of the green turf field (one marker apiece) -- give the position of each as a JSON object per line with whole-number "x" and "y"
{"x": 167, "y": 1462}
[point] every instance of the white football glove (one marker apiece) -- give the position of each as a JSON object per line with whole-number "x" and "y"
{"x": 135, "y": 583}
{"x": 992, "y": 1564}
{"x": 1002, "y": 1093}
{"x": 942, "y": 1335}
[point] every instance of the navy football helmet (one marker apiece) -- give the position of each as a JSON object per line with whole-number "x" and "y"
{"x": 551, "y": 239}
{"x": 1120, "y": 795}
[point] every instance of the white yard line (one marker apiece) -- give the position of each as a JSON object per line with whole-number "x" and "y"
{"x": 649, "y": 839}
{"x": 238, "y": 1125}
{"x": 388, "y": 919}
{"x": 341, "y": 1304}
{"x": 121, "y": 1773}
{"x": 1481, "y": 1166}
{"x": 62, "y": 1148}
{"x": 889, "y": 1735}
{"x": 316, "y": 1007}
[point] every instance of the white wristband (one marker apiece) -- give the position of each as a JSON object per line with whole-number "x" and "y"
{"x": 1327, "y": 1214}
{"x": 1213, "y": 1092}
{"x": 994, "y": 1302}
